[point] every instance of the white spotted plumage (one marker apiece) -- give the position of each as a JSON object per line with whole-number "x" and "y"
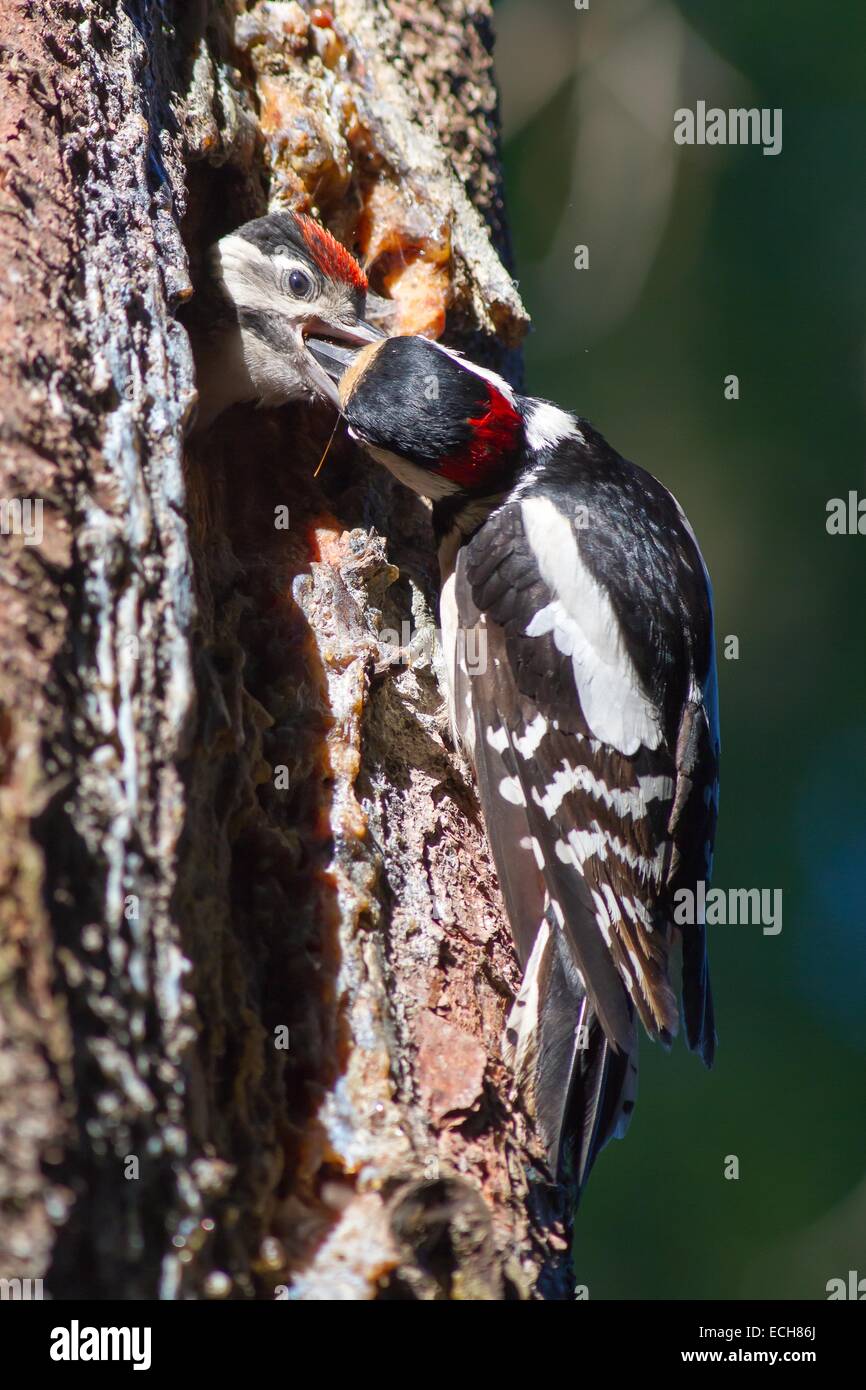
{"x": 591, "y": 725}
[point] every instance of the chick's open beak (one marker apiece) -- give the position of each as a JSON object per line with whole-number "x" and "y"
{"x": 335, "y": 357}
{"x": 342, "y": 330}
{"x": 333, "y": 347}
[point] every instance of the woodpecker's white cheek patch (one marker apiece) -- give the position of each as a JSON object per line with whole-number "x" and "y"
{"x": 585, "y": 628}
{"x": 247, "y": 275}
{"x": 547, "y": 426}
{"x": 420, "y": 480}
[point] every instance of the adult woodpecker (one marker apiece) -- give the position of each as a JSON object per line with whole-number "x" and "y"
{"x": 269, "y": 284}
{"x": 592, "y": 725}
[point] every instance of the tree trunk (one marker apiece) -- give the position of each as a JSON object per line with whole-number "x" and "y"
{"x": 255, "y": 967}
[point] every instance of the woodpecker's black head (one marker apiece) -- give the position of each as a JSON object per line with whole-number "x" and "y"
{"x": 440, "y": 424}
{"x": 278, "y": 279}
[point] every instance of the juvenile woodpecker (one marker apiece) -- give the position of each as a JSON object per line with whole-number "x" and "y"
{"x": 269, "y": 284}
{"x": 592, "y": 724}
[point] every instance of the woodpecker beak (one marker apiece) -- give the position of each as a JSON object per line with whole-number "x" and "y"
{"x": 333, "y": 348}
{"x": 335, "y": 358}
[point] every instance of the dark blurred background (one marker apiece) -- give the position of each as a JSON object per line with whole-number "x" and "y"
{"x": 705, "y": 262}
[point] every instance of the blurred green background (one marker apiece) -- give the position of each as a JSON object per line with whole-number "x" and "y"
{"x": 704, "y": 262}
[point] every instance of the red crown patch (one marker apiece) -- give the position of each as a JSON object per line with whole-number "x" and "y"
{"x": 331, "y": 258}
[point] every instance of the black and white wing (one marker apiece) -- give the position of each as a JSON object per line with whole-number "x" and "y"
{"x": 588, "y": 708}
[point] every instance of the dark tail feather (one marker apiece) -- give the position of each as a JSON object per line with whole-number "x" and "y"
{"x": 600, "y": 1103}
{"x": 580, "y": 1089}
{"x": 698, "y": 1012}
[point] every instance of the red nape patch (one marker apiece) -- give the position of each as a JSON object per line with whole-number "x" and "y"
{"x": 331, "y": 258}
{"x": 494, "y": 437}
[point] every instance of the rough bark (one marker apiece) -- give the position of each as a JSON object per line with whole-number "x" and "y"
{"x": 226, "y": 812}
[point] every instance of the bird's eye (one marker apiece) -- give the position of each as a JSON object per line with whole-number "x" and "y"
{"x": 299, "y": 282}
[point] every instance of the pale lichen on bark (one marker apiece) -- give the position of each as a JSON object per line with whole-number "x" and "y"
{"x": 189, "y": 648}
{"x": 98, "y": 386}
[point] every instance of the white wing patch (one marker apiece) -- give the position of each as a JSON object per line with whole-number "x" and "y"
{"x": 602, "y": 918}
{"x": 614, "y": 911}
{"x": 527, "y": 742}
{"x": 632, "y": 802}
{"x": 497, "y": 738}
{"x": 511, "y": 790}
{"x": 637, "y": 912}
{"x": 530, "y": 842}
{"x": 524, "y": 1017}
{"x": 595, "y": 843}
{"x": 585, "y": 628}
